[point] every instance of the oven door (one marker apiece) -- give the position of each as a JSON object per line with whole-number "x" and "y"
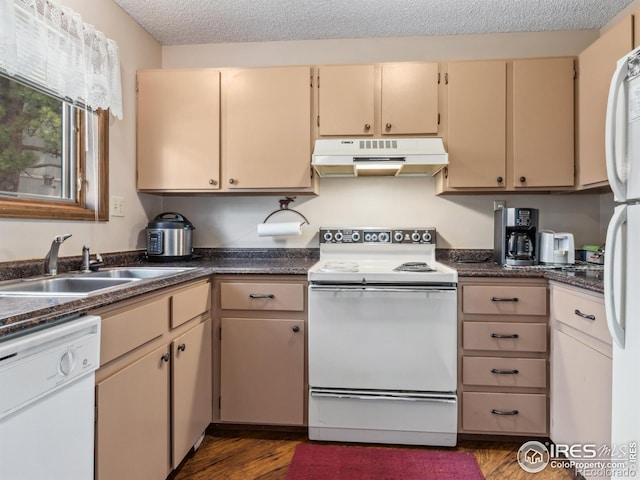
{"x": 382, "y": 337}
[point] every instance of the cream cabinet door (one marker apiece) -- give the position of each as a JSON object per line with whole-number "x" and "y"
{"x": 266, "y": 125}
{"x": 595, "y": 67}
{"x": 346, "y": 96}
{"x": 132, "y": 427}
{"x": 477, "y": 94}
{"x": 543, "y": 126}
{"x": 262, "y": 373}
{"x": 191, "y": 388}
{"x": 409, "y": 99}
{"x": 178, "y": 136}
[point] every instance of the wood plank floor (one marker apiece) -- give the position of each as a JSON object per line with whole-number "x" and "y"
{"x": 263, "y": 455}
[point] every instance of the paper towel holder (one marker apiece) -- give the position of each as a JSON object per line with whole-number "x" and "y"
{"x": 284, "y": 206}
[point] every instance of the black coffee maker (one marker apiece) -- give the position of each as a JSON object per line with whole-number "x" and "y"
{"x": 515, "y": 233}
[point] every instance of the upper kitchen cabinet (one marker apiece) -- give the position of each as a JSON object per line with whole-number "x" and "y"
{"x": 508, "y": 125}
{"x": 376, "y": 100}
{"x": 476, "y": 124}
{"x": 266, "y": 129}
{"x": 543, "y": 124}
{"x": 178, "y": 130}
{"x": 595, "y": 68}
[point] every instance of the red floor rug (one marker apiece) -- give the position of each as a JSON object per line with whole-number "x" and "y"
{"x": 332, "y": 462}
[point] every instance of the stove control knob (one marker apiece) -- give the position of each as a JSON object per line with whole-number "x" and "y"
{"x": 328, "y": 236}
{"x": 338, "y": 236}
{"x": 367, "y": 237}
{"x": 415, "y": 236}
{"x": 355, "y": 236}
{"x": 383, "y": 237}
{"x": 374, "y": 237}
{"x": 426, "y": 236}
{"x": 398, "y": 237}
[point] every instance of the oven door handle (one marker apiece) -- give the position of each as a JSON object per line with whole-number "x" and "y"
{"x": 355, "y": 396}
{"x": 321, "y": 288}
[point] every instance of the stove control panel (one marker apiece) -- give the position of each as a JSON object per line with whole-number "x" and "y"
{"x": 378, "y": 236}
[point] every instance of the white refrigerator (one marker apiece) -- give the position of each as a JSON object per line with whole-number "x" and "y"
{"x": 622, "y": 257}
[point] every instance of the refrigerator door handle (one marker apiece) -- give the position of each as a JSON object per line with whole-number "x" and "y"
{"x": 611, "y": 123}
{"x": 614, "y": 323}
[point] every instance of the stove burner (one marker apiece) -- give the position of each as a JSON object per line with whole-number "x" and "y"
{"x": 347, "y": 267}
{"x": 414, "y": 267}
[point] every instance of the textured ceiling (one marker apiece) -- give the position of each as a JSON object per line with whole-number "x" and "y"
{"x": 220, "y": 21}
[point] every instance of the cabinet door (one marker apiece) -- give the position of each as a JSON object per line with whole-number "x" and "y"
{"x": 409, "y": 101}
{"x": 595, "y": 67}
{"x": 580, "y": 392}
{"x": 267, "y": 128}
{"x": 345, "y": 100}
{"x": 262, "y": 371}
{"x": 132, "y": 427}
{"x": 477, "y": 124}
{"x": 178, "y": 136}
{"x": 543, "y": 126}
{"x": 191, "y": 388}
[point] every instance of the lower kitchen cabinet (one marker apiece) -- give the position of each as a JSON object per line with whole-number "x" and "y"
{"x": 503, "y": 356}
{"x": 260, "y": 373}
{"x": 153, "y": 388}
{"x": 580, "y": 369}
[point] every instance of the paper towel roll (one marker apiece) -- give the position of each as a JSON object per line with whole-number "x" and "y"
{"x": 278, "y": 229}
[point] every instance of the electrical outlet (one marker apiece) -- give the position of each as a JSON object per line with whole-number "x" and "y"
{"x": 499, "y": 205}
{"x": 117, "y": 206}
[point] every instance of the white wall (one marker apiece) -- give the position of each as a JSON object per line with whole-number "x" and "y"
{"x": 462, "y": 221}
{"x": 22, "y": 239}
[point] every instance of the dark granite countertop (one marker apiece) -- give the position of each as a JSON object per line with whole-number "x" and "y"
{"x": 18, "y": 314}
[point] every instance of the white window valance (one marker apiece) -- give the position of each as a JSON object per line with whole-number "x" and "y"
{"x": 50, "y": 46}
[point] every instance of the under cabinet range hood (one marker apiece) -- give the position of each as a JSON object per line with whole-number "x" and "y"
{"x": 358, "y": 157}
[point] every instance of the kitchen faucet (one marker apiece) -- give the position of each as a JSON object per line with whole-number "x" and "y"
{"x": 51, "y": 260}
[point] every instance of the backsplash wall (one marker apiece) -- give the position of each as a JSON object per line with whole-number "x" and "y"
{"x": 462, "y": 221}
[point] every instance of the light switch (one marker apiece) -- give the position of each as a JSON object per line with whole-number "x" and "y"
{"x": 117, "y": 206}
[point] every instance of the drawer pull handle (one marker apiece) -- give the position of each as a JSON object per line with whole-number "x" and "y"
{"x": 584, "y": 315}
{"x": 262, "y": 295}
{"x": 504, "y": 412}
{"x": 498, "y": 299}
{"x": 504, "y": 372}
{"x": 500, "y": 335}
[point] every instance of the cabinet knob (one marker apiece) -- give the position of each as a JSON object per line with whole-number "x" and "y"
{"x": 182, "y": 347}
{"x": 165, "y": 357}
{"x": 367, "y": 126}
{"x": 523, "y": 179}
{"x": 388, "y": 125}
{"x": 212, "y": 182}
{"x": 232, "y": 181}
{"x": 296, "y": 328}
{"x": 499, "y": 179}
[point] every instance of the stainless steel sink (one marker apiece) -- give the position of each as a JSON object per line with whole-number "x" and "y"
{"x": 83, "y": 284}
{"x": 137, "y": 272}
{"x": 61, "y": 286}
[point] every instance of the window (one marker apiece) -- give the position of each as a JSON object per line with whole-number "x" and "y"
{"x": 53, "y": 156}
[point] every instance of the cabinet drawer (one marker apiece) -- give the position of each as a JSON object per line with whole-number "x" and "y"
{"x": 505, "y": 336}
{"x": 504, "y": 372}
{"x": 504, "y": 300}
{"x": 504, "y": 412}
{"x": 580, "y": 311}
{"x": 129, "y": 329}
{"x": 190, "y": 303}
{"x": 262, "y": 296}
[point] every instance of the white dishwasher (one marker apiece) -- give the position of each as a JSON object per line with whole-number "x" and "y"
{"x": 47, "y": 402}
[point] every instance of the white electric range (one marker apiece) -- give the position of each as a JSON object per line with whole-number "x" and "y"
{"x": 382, "y": 338}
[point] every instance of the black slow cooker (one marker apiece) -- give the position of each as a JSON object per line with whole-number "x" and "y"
{"x": 169, "y": 238}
